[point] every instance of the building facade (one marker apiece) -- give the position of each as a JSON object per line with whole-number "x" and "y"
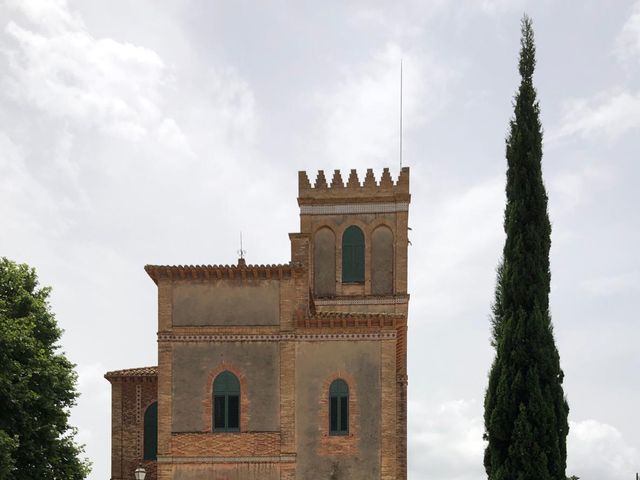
{"x": 292, "y": 371}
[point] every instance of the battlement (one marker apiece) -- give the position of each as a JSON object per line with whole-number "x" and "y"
{"x": 369, "y": 190}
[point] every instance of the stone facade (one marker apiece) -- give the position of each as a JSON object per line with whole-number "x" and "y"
{"x": 285, "y": 332}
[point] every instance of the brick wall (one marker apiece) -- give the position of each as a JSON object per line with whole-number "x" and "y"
{"x": 130, "y": 397}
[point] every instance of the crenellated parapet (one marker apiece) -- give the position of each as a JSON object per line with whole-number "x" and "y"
{"x": 353, "y": 190}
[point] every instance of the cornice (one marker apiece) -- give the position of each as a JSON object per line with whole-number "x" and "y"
{"x": 281, "y": 337}
{"x": 213, "y": 272}
{"x": 369, "y": 300}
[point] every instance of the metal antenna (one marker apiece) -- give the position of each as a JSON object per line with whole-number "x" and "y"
{"x": 241, "y": 252}
{"x": 400, "y": 113}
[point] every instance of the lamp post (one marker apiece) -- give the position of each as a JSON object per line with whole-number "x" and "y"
{"x": 140, "y": 473}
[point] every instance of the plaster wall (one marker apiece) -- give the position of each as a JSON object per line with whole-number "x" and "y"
{"x": 245, "y": 471}
{"x": 193, "y": 364}
{"x": 226, "y": 303}
{"x": 324, "y": 262}
{"x": 315, "y": 363}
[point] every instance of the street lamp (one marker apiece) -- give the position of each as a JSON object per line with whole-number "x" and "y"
{"x": 140, "y": 473}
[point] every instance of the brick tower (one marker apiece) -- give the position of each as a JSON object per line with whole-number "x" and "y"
{"x": 292, "y": 371}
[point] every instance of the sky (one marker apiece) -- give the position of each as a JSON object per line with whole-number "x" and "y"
{"x": 148, "y": 132}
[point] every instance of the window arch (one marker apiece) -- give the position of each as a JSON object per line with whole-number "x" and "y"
{"x": 339, "y": 408}
{"x": 353, "y": 255}
{"x": 151, "y": 432}
{"x": 226, "y": 403}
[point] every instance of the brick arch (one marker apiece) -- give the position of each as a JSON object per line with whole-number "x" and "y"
{"x": 339, "y": 444}
{"x": 382, "y": 262}
{"x": 376, "y": 223}
{"x": 147, "y": 405}
{"x": 329, "y": 225}
{"x": 339, "y": 229}
{"x": 207, "y": 402}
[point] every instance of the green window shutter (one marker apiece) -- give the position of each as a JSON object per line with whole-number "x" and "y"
{"x": 226, "y": 403}
{"x": 353, "y": 255}
{"x": 151, "y": 432}
{"x": 339, "y": 408}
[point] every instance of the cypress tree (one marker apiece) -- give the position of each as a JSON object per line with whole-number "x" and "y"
{"x": 525, "y": 408}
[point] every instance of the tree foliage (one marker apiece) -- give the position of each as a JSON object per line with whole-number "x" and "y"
{"x": 525, "y": 408}
{"x": 37, "y": 385}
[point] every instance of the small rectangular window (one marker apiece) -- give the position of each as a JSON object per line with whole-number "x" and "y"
{"x": 234, "y": 412}
{"x": 333, "y": 411}
{"x": 218, "y": 412}
{"x": 344, "y": 415}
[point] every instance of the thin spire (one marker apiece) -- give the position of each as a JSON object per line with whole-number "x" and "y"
{"x": 400, "y": 113}
{"x": 241, "y": 252}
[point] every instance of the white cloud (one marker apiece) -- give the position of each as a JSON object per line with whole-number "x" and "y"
{"x": 607, "y": 116}
{"x": 496, "y": 7}
{"x": 20, "y": 193}
{"x": 56, "y": 66}
{"x": 361, "y": 114}
{"x": 95, "y": 397}
{"x": 627, "y": 47}
{"x": 445, "y": 441}
{"x": 596, "y": 450}
{"x": 52, "y": 15}
{"x": 570, "y": 188}
{"x": 613, "y": 284}
{"x": 611, "y": 113}
{"x": 464, "y": 235}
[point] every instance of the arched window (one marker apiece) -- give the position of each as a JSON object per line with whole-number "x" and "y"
{"x": 226, "y": 403}
{"x": 151, "y": 432}
{"x": 353, "y": 255}
{"x": 339, "y": 408}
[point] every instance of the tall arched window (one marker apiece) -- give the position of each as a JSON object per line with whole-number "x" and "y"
{"x": 339, "y": 408}
{"x": 151, "y": 432}
{"x": 226, "y": 403}
{"x": 353, "y": 255}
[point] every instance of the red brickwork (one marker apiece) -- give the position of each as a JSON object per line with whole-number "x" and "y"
{"x": 226, "y": 444}
{"x": 131, "y": 396}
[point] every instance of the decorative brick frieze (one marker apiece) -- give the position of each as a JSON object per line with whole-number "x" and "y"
{"x": 345, "y": 320}
{"x": 378, "y": 300}
{"x": 211, "y": 444}
{"x": 284, "y": 337}
{"x": 215, "y": 459}
{"x": 354, "y": 208}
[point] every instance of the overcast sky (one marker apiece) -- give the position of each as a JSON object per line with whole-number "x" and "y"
{"x": 154, "y": 132}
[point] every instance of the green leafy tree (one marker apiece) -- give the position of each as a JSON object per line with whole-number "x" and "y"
{"x": 525, "y": 408}
{"x": 37, "y": 385}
